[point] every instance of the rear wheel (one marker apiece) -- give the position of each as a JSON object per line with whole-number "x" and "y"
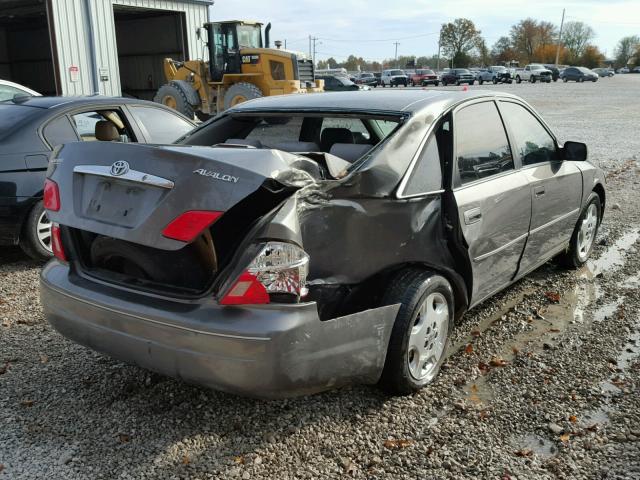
{"x": 420, "y": 334}
{"x": 240, "y": 92}
{"x": 533, "y": 79}
{"x": 565, "y": 79}
{"x": 495, "y": 80}
{"x": 480, "y": 82}
{"x": 35, "y": 240}
{"x": 518, "y": 79}
{"x": 580, "y": 79}
{"x": 584, "y": 234}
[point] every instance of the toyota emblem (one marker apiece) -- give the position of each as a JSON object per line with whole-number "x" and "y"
{"x": 119, "y": 168}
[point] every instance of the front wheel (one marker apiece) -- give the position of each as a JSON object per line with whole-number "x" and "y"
{"x": 565, "y": 79}
{"x": 480, "y": 82}
{"x": 495, "y": 81}
{"x": 437, "y": 83}
{"x": 533, "y": 79}
{"x": 580, "y": 80}
{"x": 421, "y": 331}
{"x": 518, "y": 79}
{"x": 584, "y": 234}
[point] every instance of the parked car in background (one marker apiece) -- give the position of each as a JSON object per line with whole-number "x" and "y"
{"x": 495, "y": 74}
{"x": 603, "y": 72}
{"x": 623, "y": 70}
{"x": 579, "y": 74}
{"x": 378, "y": 76}
{"x": 555, "y": 71}
{"x": 534, "y": 73}
{"x": 8, "y": 90}
{"x": 366, "y": 78}
{"x": 31, "y": 127}
{"x": 457, "y": 76}
{"x": 636, "y": 70}
{"x": 394, "y": 78}
{"x": 306, "y": 260}
{"x": 424, "y": 77}
{"x": 339, "y": 83}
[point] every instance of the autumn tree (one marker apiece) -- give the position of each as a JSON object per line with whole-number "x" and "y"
{"x": 458, "y": 39}
{"x": 576, "y": 37}
{"x": 592, "y": 57}
{"x": 626, "y": 49}
{"x": 502, "y": 51}
{"x": 531, "y": 37}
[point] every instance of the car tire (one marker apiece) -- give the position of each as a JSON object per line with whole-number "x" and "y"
{"x": 422, "y": 326}
{"x": 565, "y": 79}
{"x": 480, "y": 82}
{"x": 436, "y": 84}
{"x": 494, "y": 80}
{"x": 532, "y": 79}
{"x": 457, "y": 84}
{"x": 584, "y": 234}
{"x": 580, "y": 80}
{"x": 35, "y": 240}
{"x": 518, "y": 79}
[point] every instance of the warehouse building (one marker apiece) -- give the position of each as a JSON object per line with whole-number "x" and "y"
{"x": 110, "y": 47}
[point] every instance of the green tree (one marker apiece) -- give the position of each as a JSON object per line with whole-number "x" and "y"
{"x": 626, "y": 49}
{"x": 576, "y": 37}
{"x": 458, "y": 39}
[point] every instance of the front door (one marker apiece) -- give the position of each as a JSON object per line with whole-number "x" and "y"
{"x": 556, "y": 185}
{"x": 492, "y": 197}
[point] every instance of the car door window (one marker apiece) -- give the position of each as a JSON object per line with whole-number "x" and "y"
{"x": 7, "y": 92}
{"x": 59, "y": 131}
{"x": 104, "y": 125}
{"x": 531, "y": 140}
{"x": 482, "y": 148}
{"x": 427, "y": 174}
{"x": 158, "y": 125}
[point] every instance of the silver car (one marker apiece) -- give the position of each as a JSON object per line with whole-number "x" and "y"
{"x": 297, "y": 243}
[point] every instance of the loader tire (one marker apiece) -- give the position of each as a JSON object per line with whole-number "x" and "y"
{"x": 171, "y": 95}
{"x": 240, "y": 92}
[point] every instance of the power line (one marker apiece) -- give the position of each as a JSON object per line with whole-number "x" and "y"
{"x": 356, "y": 40}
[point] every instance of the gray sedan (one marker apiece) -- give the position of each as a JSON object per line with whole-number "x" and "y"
{"x": 297, "y": 243}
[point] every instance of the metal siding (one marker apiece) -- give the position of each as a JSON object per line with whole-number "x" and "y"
{"x": 72, "y": 41}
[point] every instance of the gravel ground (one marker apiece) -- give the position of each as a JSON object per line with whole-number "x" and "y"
{"x": 542, "y": 381}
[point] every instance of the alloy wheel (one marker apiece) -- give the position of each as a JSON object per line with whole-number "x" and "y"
{"x": 587, "y": 232}
{"x": 43, "y": 230}
{"x": 428, "y": 337}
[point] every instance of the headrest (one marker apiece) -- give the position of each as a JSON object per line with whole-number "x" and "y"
{"x": 106, "y": 131}
{"x": 330, "y": 136}
{"x": 297, "y": 146}
{"x": 349, "y": 151}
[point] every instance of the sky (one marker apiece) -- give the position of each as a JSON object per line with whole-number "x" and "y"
{"x": 369, "y": 29}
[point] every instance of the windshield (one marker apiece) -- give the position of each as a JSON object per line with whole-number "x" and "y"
{"x": 366, "y": 75}
{"x": 462, "y": 70}
{"x": 499, "y": 69}
{"x": 249, "y": 36}
{"x": 396, "y": 72}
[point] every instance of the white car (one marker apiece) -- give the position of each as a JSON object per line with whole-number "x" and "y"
{"x": 9, "y": 89}
{"x": 393, "y": 78}
{"x": 623, "y": 70}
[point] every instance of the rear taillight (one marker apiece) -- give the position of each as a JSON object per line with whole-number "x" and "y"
{"x": 190, "y": 224}
{"x": 51, "y": 198}
{"x": 278, "y": 273}
{"x": 56, "y": 243}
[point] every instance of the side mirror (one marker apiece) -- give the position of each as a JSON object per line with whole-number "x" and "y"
{"x": 574, "y": 151}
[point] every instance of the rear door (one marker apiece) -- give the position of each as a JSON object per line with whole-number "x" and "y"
{"x": 556, "y": 185}
{"x": 492, "y": 197}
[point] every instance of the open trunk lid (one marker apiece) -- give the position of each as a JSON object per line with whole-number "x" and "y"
{"x": 132, "y": 192}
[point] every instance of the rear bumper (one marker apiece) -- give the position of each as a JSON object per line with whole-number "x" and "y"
{"x": 263, "y": 351}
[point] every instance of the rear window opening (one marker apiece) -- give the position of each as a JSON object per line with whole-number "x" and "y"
{"x": 348, "y": 137}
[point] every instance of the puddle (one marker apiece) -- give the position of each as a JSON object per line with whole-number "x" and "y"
{"x": 535, "y": 444}
{"x": 613, "y": 256}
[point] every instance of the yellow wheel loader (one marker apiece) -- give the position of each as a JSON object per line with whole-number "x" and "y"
{"x": 240, "y": 68}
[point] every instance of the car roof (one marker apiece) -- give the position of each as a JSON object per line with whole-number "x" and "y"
{"x": 53, "y": 102}
{"x": 388, "y": 101}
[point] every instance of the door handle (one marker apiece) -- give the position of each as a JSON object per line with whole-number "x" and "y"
{"x": 539, "y": 191}
{"x": 472, "y": 216}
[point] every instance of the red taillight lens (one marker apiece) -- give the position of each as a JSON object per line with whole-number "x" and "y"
{"x": 56, "y": 243}
{"x": 190, "y": 224}
{"x": 246, "y": 291}
{"x": 51, "y": 196}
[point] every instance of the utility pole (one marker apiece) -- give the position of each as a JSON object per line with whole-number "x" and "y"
{"x": 309, "y": 46}
{"x": 439, "y": 45}
{"x": 559, "y": 39}
{"x": 396, "y": 44}
{"x": 313, "y": 57}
